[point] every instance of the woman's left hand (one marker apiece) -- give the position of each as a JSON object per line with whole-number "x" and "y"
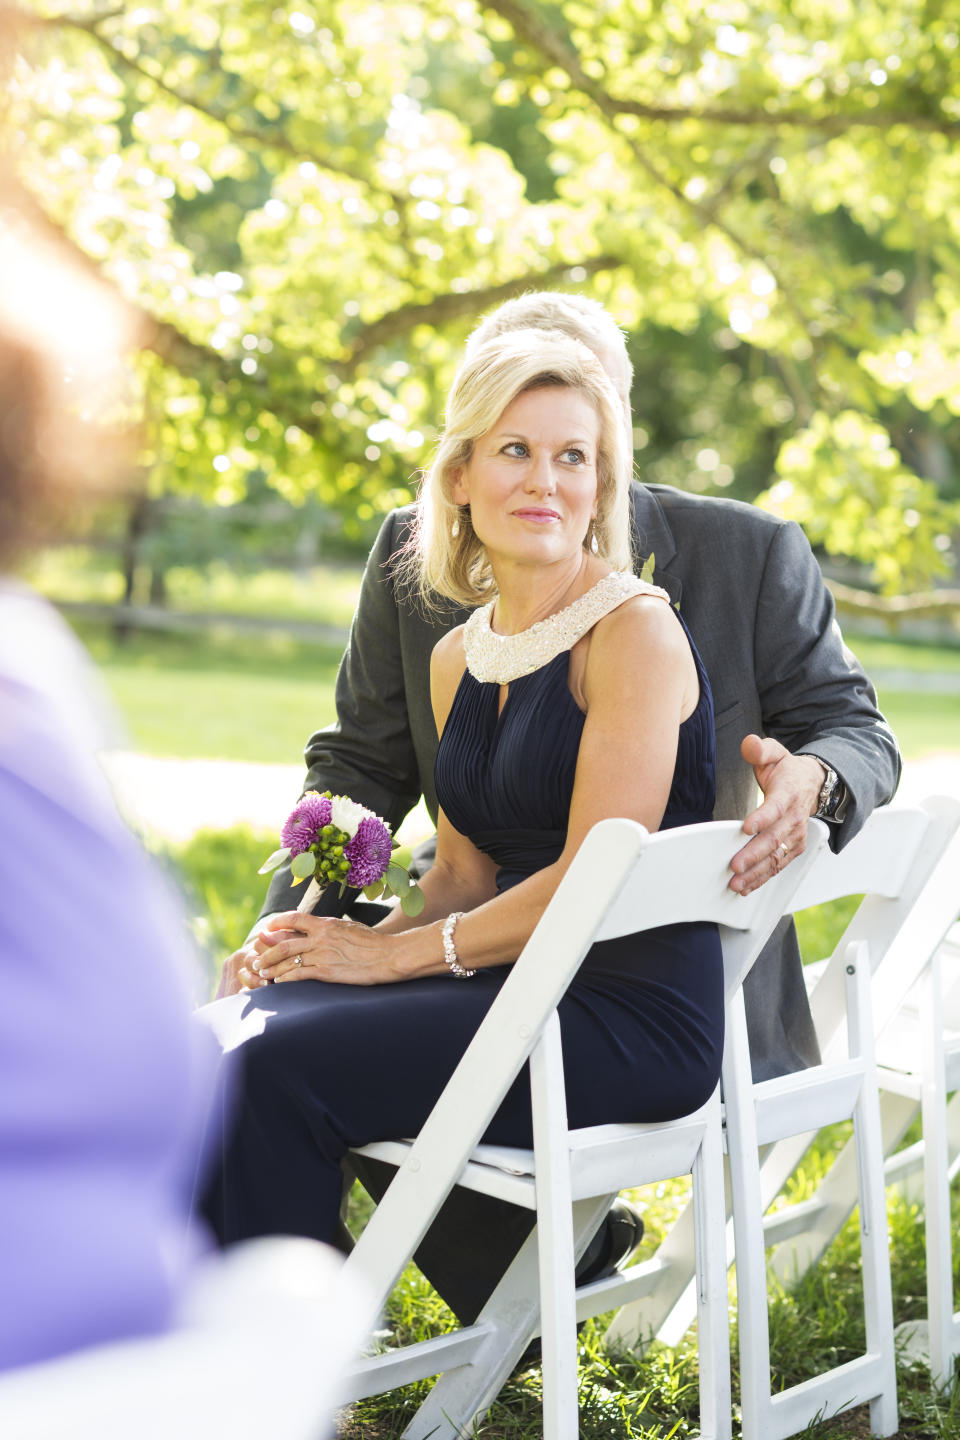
{"x": 295, "y": 946}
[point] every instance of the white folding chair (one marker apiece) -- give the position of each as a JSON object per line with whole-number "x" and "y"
{"x": 898, "y": 863}
{"x": 919, "y": 1061}
{"x": 621, "y": 881}
{"x": 266, "y": 1334}
{"x": 908, "y": 861}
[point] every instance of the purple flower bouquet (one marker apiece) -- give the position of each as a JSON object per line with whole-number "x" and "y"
{"x": 331, "y": 839}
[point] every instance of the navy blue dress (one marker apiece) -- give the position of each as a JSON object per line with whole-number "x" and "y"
{"x": 330, "y": 1066}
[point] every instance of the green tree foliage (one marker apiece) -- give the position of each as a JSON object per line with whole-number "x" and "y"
{"x": 309, "y": 205}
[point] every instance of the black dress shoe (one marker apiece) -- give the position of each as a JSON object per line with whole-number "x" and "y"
{"x": 613, "y": 1244}
{"x": 608, "y": 1252}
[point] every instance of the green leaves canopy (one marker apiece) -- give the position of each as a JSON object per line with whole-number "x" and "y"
{"x": 309, "y": 206}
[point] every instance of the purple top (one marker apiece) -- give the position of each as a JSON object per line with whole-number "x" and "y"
{"x": 104, "y": 1086}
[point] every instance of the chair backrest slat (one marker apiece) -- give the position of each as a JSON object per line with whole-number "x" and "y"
{"x": 685, "y": 875}
{"x": 904, "y": 861}
{"x": 875, "y": 862}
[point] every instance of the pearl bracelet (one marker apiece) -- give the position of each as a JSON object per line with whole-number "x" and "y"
{"x": 449, "y": 953}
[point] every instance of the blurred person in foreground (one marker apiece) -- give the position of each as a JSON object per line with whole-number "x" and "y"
{"x": 795, "y": 715}
{"x": 104, "y": 1082}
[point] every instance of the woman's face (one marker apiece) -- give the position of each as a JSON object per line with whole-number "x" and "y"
{"x": 531, "y": 482}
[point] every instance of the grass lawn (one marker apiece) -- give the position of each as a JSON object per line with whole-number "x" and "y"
{"x": 324, "y": 594}
{"x": 878, "y": 655}
{"x": 259, "y": 697}
{"x": 256, "y": 698}
{"x": 923, "y": 723}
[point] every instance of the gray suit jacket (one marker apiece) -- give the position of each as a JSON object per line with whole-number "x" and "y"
{"x": 751, "y": 592}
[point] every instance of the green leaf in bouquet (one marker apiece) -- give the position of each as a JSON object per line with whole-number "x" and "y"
{"x": 303, "y": 864}
{"x": 396, "y": 879}
{"x": 375, "y": 891}
{"x": 277, "y": 858}
{"x": 412, "y": 902}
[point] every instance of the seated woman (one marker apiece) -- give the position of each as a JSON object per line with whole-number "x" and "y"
{"x": 572, "y": 693}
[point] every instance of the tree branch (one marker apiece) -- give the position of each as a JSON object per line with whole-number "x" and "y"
{"x": 528, "y": 22}
{"x": 175, "y": 348}
{"x": 530, "y": 25}
{"x": 147, "y": 331}
{"x": 266, "y": 136}
{"x": 443, "y": 308}
{"x": 831, "y": 125}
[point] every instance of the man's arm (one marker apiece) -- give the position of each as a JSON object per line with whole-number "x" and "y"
{"x": 816, "y": 701}
{"x": 368, "y": 753}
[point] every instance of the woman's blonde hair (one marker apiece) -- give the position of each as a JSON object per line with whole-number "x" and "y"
{"x": 437, "y": 561}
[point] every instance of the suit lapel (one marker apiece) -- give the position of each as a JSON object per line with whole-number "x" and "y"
{"x": 652, "y": 536}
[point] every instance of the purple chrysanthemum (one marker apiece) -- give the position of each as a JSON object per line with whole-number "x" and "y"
{"x": 368, "y": 852}
{"x": 302, "y": 824}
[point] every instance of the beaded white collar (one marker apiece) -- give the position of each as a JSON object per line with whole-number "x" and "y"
{"x": 497, "y": 659}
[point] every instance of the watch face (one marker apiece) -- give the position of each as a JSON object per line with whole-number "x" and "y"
{"x": 828, "y": 790}
{"x": 830, "y": 795}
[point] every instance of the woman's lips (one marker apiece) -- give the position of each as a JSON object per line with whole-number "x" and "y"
{"x": 539, "y": 517}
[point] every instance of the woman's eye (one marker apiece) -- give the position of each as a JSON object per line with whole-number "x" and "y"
{"x": 574, "y": 457}
{"x": 516, "y": 448}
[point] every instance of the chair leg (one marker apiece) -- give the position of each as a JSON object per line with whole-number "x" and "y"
{"x": 513, "y": 1312}
{"x": 744, "y": 1166}
{"x": 558, "y": 1305}
{"x": 936, "y": 1182}
{"x": 713, "y": 1315}
{"x": 874, "y": 1240}
{"x": 835, "y": 1198}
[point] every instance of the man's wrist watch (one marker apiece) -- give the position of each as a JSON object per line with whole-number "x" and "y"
{"x": 832, "y": 799}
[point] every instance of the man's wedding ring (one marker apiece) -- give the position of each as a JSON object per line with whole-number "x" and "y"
{"x": 785, "y": 849}
{"x": 298, "y": 959}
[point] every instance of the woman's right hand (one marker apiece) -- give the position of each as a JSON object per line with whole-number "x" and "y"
{"x": 238, "y": 972}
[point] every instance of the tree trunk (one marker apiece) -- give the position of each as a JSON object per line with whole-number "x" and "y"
{"x": 138, "y": 523}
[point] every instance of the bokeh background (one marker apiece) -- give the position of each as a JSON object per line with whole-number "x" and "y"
{"x": 298, "y": 213}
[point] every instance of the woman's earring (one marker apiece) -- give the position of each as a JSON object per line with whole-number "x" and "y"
{"x": 455, "y": 529}
{"x": 594, "y": 545}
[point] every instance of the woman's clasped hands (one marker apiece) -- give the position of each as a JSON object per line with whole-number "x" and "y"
{"x": 295, "y": 946}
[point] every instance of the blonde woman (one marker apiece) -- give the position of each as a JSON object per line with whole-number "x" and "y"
{"x": 572, "y": 693}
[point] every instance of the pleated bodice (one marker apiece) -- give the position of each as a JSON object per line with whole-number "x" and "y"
{"x": 506, "y": 780}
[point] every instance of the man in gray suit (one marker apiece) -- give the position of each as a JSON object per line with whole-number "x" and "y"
{"x": 794, "y": 712}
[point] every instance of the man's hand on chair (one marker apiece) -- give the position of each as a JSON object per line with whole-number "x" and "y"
{"x": 791, "y": 791}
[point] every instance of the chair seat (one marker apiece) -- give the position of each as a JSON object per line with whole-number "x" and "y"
{"x": 602, "y": 1157}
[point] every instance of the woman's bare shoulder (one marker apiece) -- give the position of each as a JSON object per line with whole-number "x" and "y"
{"x": 642, "y": 622}
{"x": 448, "y": 654}
{"x": 447, "y": 664}
{"x": 641, "y": 643}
